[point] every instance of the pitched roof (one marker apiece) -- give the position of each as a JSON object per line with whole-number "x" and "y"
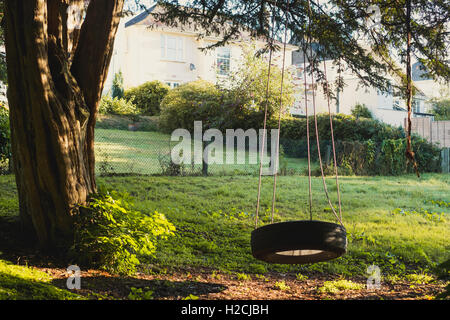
{"x": 140, "y": 17}
{"x": 419, "y": 72}
{"x": 144, "y": 19}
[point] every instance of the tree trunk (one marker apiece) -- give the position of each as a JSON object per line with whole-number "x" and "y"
{"x": 410, "y": 156}
{"x": 53, "y": 97}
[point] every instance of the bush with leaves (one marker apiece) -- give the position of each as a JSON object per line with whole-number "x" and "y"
{"x": 346, "y": 128}
{"x": 148, "y": 96}
{"x": 363, "y": 146}
{"x": 391, "y": 160}
{"x": 248, "y": 85}
{"x": 361, "y": 111}
{"x": 441, "y": 109}
{"x": 111, "y": 235}
{"x": 123, "y": 107}
{"x": 194, "y": 101}
{"x": 5, "y": 139}
{"x": 117, "y": 86}
{"x": 236, "y": 101}
{"x": 384, "y": 158}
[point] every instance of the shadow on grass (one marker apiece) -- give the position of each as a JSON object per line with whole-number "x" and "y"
{"x": 120, "y": 287}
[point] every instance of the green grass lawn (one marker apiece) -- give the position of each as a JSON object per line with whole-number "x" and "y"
{"x": 122, "y": 151}
{"x": 215, "y": 216}
{"x": 390, "y": 223}
{"x": 23, "y": 283}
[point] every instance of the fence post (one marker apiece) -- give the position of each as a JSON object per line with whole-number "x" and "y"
{"x": 328, "y": 155}
{"x": 205, "y": 160}
{"x": 445, "y": 160}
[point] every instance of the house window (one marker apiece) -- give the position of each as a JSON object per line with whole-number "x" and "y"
{"x": 173, "y": 85}
{"x": 172, "y": 48}
{"x": 223, "y": 60}
{"x": 416, "y": 106}
{"x": 389, "y": 92}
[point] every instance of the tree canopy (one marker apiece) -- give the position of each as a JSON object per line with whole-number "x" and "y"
{"x": 341, "y": 28}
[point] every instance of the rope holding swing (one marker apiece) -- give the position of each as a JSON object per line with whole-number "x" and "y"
{"x": 298, "y": 242}
{"x": 277, "y": 151}
{"x": 338, "y": 217}
{"x": 265, "y": 121}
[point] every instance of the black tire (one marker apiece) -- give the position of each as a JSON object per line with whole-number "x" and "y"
{"x": 299, "y": 242}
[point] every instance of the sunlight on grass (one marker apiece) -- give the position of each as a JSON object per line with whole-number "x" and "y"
{"x": 214, "y": 217}
{"x": 339, "y": 285}
{"x": 18, "y": 282}
{"x": 220, "y": 211}
{"x": 140, "y": 152}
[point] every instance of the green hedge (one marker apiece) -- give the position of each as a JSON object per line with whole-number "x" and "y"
{"x": 364, "y": 146}
{"x": 147, "y": 97}
{"x": 116, "y": 106}
{"x": 378, "y": 158}
{"x": 5, "y": 140}
{"x": 345, "y": 127}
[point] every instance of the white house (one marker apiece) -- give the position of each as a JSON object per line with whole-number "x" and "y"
{"x": 431, "y": 88}
{"x": 147, "y": 50}
{"x": 385, "y": 106}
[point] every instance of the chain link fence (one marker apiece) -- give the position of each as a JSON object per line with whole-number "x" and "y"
{"x": 122, "y": 152}
{"x": 128, "y": 152}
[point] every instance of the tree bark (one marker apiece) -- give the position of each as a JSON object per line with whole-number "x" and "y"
{"x": 53, "y": 96}
{"x": 410, "y": 156}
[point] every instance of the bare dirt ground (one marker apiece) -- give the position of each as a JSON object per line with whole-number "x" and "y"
{"x": 216, "y": 286}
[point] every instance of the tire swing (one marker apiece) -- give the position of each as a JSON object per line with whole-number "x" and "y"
{"x": 305, "y": 241}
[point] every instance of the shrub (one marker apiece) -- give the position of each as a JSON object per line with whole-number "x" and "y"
{"x": 148, "y": 96}
{"x": 281, "y": 285}
{"x": 194, "y": 101}
{"x": 110, "y": 235}
{"x": 361, "y": 111}
{"x": 117, "y": 86}
{"x": 346, "y": 128}
{"x": 356, "y": 158}
{"x": 248, "y": 83}
{"x": 5, "y": 139}
{"x": 168, "y": 167}
{"x": 141, "y": 123}
{"x": 392, "y": 161}
{"x": 140, "y": 294}
{"x": 109, "y": 105}
{"x": 441, "y": 109}
{"x": 371, "y": 157}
